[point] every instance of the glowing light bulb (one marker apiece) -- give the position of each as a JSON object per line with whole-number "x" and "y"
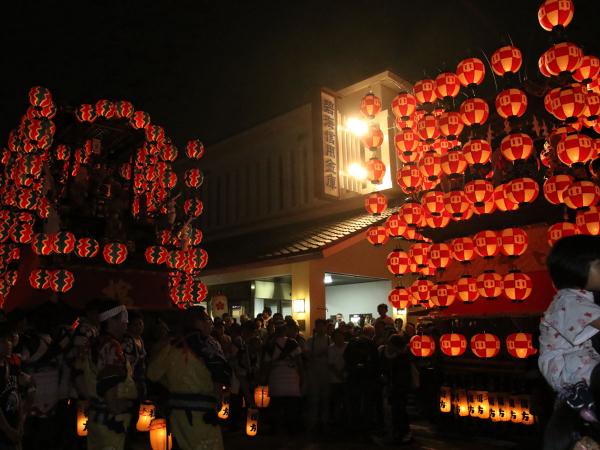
{"x": 358, "y": 171}
{"x": 357, "y": 126}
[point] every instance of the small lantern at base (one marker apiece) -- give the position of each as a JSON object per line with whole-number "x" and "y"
{"x": 445, "y": 399}
{"x": 252, "y": 422}
{"x": 461, "y": 405}
{"x": 82, "y": 420}
{"x": 146, "y": 415}
{"x": 158, "y": 435}
{"x": 223, "y": 413}
{"x": 261, "y": 396}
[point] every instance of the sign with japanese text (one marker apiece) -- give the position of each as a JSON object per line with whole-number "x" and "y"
{"x": 330, "y": 145}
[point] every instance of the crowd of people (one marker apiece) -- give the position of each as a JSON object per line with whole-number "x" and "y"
{"x": 103, "y": 362}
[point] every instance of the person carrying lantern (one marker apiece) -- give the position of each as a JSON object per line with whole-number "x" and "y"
{"x": 567, "y": 358}
{"x": 194, "y": 370}
{"x": 109, "y": 381}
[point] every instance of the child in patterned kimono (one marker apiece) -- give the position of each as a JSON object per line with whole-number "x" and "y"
{"x": 567, "y": 359}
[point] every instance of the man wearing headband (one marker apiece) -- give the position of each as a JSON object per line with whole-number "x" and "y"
{"x": 111, "y": 382}
{"x": 192, "y": 367}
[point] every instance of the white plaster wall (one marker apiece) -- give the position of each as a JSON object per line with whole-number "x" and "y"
{"x": 356, "y": 298}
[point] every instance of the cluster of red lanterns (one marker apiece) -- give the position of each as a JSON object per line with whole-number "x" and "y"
{"x": 482, "y": 345}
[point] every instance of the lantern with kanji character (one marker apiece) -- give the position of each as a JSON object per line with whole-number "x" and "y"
{"x": 477, "y": 151}
{"x": 555, "y": 187}
{"x": 527, "y": 418}
{"x": 63, "y": 242}
{"x": 485, "y": 345}
{"x": 404, "y": 105}
{"x": 430, "y": 166}
{"x": 61, "y": 280}
{"x": 474, "y": 111}
{"x": 375, "y": 170}
{"x": 375, "y": 203}
{"x": 517, "y": 286}
{"x": 575, "y": 148}
{"x": 522, "y": 190}
{"x": 453, "y": 344}
{"x": 490, "y": 284}
{"x": 425, "y": 91}
{"x": 463, "y": 249}
{"x": 514, "y": 241}
{"x": 427, "y": 128}
{"x": 450, "y": 124}
{"x": 41, "y": 244}
{"x": 395, "y": 226}
{"x": 560, "y": 230}
{"x": 225, "y": 408}
{"x": 442, "y": 295}
{"x": 520, "y": 345}
{"x": 506, "y": 59}
{"x": 115, "y": 253}
{"x": 588, "y": 221}
{"x": 592, "y": 109}
{"x": 440, "y": 255}
{"x": 400, "y": 298}
{"x": 40, "y": 279}
{"x": 461, "y": 404}
{"x": 422, "y": 346}
{"x": 563, "y": 57}
{"x": 377, "y": 235}
{"x": 456, "y": 203}
{"x": 516, "y": 146}
{"x": 555, "y": 13}
{"x": 581, "y": 194}
{"x": 82, "y": 419}
{"x": 420, "y": 290}
{"x": 159, "y": 440}
{"x": 445, "y": 397}
{"x": 370, "y": 105}
{"x": 588, "y": 70}
{"x": 397, "y": 262}
{"x": 146, "y": 414}
{"x": 447, "y": 84}
{"x": 261, "y": 396}
{"x": 478, "y": 192}
{"x": 453, "y": 163}
{"x": 419, "y": 254}
{"x": 470, "y": 72}
{"x": 511, "y": 103}
{"x": 252, "y": 422}
{"x": 567, "y": 104}
{"x": 409, "y": 178}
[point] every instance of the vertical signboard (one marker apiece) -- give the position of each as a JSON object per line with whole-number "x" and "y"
{"x": 327, "y": 146}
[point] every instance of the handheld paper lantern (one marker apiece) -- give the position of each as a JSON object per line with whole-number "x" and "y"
{"x": 575, "y": 148}
{"x": 516, "y": 146}
{"x": 433, "y": 202}
{"x": 450, "y": 124}
{"x": 485, "y": 345}
{"x": 563, "y": 57}
{"x": 522, "y": 190}
{"x": 409, "y": 178}
{"x": 506, "y": 59}
{"x": 520, "y": 345}
{"x": 375, "y": 170}
{"x": 511, "y": 103}
{"x": 115, "y": 253}
{"x": 454, "y": 163}
{"x": 490, "y": 284}
{"x": 503, "y": 202}
{"x": 442, "y": 295}
{"x": 477, "y": 151}
{"x": 397, "y": 262}
{"x": 158, "y": 435}
{"x": 474, "y": 111}
{"x": 422, "y": 346}
{"x": 61, "y": 280}
{"x": 87, "y": 247}
{"x": 447, "y": 84}
{"x": 420, "y": 290}
{"x": 555, "y": 187}
{"x": 445, "y": 398}
{"x": 377, "y": 235}
{"x": 453, "y": 344}
{"x": 40, "y": 279}
{"x": 463, "y": 249}
{"x": 370, "y": 105}
{"x": 555, "y": 13}
{"x": 517, "y": 286}
{"x": 41, "y": 244}
{"x": 514, "y": 241}
{"x": 456, "y": 203}
{"x": 470, "y": 72}
{"x": 419, "y": 254}
{"x": 145, "y": 416}
{"x": 404, "y": 105}
{"x": 412, "y": 213}
{"x": 193, "y": 207}
{"x": 373, "y": 138}
{"x": 261, "y": 396}
{"x": 400, "y": 298}
{"x": 440, "y": 255}
{"x": 478, "y": 192}
{"x": 588, "y": 221}
{"x": 252, "y": 422}
{"x": 63, "y": 242}
{"x": 375, "y": 203}
{"x": 560, "y": 230}
{"x": 581, "y": 194}
{"x": 395, "y": 226}
{"x": 430, "y": 166}
{"x": 156, "y": 254}
{"x": 425, "y": 91}
{"x": 588, "y": 70}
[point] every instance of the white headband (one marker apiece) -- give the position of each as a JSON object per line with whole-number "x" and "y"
{"x": 117, "y": 310}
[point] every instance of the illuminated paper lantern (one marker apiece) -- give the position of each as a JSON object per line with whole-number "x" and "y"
{"x": 494, "y": 408}
{"x": 193, "y": 207}
{"x": 412, "y": 213}
{"x": 87, "y": 247}
{"x": 487, "y": 243}
{"x": 21, "y": 233}
{"x": 522, "y": 190}
{"x": 516, "y": 146}
{"x": 261, "y": 396}
{"x": 520, "y": 345}
{"x": 461, "y": 404}
{"x": 193, "y": 178}
{"x": 156, "y": 254}
{"x": 483, "y": 405}
{"x": 407, "y": 146}
{"x": 555, "y": 187}
{"x": 105, "y": 108}
{"x": 40, "y": 96}
{"x": 456, "y": 204}
{"x": 82, "y": 420}
{"x": 61, "y": 280}
{"x": 86, "y": 113}
{"x": 145, "y": 416}
{"x": 447, "y": 84}
{"x": 560, "y": 230}
{"x": 581, "y": 194}
{"x": 375, "y": 203}
{"x": 63, "y": 242}
{"x": 400, "y": 298}
{"x": 158, "y": 435}
{"x": 419, "y": 254}
{"x": 395, "y": 226}
{"x": 377, "y": 235}
{"x": 563, "y": 57}
{"x": 398, "y": 262}
{"x": 474, "y": 111}
{"x": 430, "y": 166}
{"x": 485, "y": 345}
{"x": 422, "y": 346}
{"x": 252, "y": 422}
{"x": 442, "y": 295}
{"x": 503, "y": 407}
{"x": 514, "y": 406}
{"x": 139, "y": 120}
{"x": 225, "y": 408}
{"x": 115, "y": 253}
{"x": 420, "y": 290}
{"x": 575, "y": 149}
{"x": 527, "y": 418}
{"x": 445, "y": 399}
{"x": 404, "y": 105}
{"x": 373, "y": 138}
{"x": 555, "y": 13}
{"x": 440, "y": 221}
{"x": 427, "y": 128}
{"x": 375, "y": 170}
{"x": 588, "y": 221}
{"x": 453, "y": 344}
{"x": 424, "y": 91}
{"x": 506, "y": 59}
{"x": 588, "y": 70}
{"x": 502, "y": 201}
{"x": 40, "y": 279}
{"x": 454, "y": 163}
{"x": 123, "y": 109}
{"x": 370, "y": 105}
{"x": 450, "y": 124}
{"x": 470, "y": 72}
{"x": 514, "y": 241}
{"x": 511, "y": 103}
{"x": 490, "y": 284}
{"x": 41, "y": 244}
{"x": 440, "y": 255}
{"x": 433, "y": 202}
{"x": 517, "y": 286}
{"x": 409, "y": 178}
{"x": 463, "y": 249}
{"x": 478, "y": 192}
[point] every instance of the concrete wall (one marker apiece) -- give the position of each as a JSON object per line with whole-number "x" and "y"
{"x": 356, "y": 298}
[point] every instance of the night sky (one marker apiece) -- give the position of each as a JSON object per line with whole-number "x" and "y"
{"x": 209, "y": 69}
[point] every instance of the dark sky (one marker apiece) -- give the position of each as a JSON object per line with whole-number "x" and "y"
{"x": 208, "y": 69}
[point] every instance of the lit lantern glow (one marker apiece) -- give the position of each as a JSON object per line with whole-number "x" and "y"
{"x": 470, "y": 72}
{"x": 485, "y": 345}
{"x": 487, "y": 243}
{"x": 440, "y": 255}
{"x": 506, "y": 59}
{"x": 520, "y": 345}
{"x": 225, "y": 409}
{"x": 374, "y": 137}
{"x": 494, "y": 408}
{"x": 503, "y": 407}
{"x": 427, "y": 128}
{"x": 442, "y": 295}
{"x": 453, "y": 344}
{"x": 433, "y": 202}
{"x": 515, "y": 409}
{"x": 588, "y": 70}
{"x": 490, "y": 284}
{"x": 555, "y": 187}
{"x": 516, "y": 146}
{"x": 400, "y": 298}
{"x": 474, "y": 111}
{"x": 581, "y": 194}
{"x": 477, "y": 151}
{"x": 555, "y": 13}
{"x": 261, "y": 396}
{"x": 454, "y": 163}
{"x": 395, "y": 226}
{"x": 370, "y": 105}
{"x": 483, "y": 404}
{"x": 522, "y": 190}
{"x": 430, "y": 166}
{"x": 511, "y": 103}
{"x": 445, "y": 399}
{"x": 407, "y": 146}
{"x": 463, "y": 249}
{"x": 560, "y": 230}
{"x": 563, "y": 57}
{"x": 61, "y": 280}
{"x": 447, "y": 84}
{"x": 517, "y": 286}
{"x": 450, "y": 124}
{"x": 158, "y": 435}
{"x": 456, "y": 204}
{"x": 440, "y": 221}
{"x": 252, "y": 422}
{"x": 419, "y": 254}
{"x": 514, "y": 241}
{"x": 409, "y": 178}
{"x": 422, "y": 346}
{"x": 588, "y": 221}
{"x": 375, "y": 203}
{"x": 503, "y": 202}
{"x": 412, "y": 213}
{"x": 527, "y": 418}
{"x": 461, "y": 404}
{"x": 575, "y": 148}
{"x": 478, "y": 192}
{"x": 377, "y": 235}
{"x": 420, "y": 290}
{"x": 145, "y": 416}
{"x": 404, "y": 105}
{"x": 115, "y": 253}
{"x": 375, "y": 170}
{"x": 398, "y": 262}
{"x": 425, "y": 91}
{"x": 82, "y": 420}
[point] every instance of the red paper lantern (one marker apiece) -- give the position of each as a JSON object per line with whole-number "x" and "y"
{"x": 447, "y": 84}
{"x": 555, "y": 187}
{"x": 430, "y": 166}
{"x": 463, "y": 249}
{"x": 450, "y": 124}
{"x": 503, "y": 202}
{"x": 454, "y": 163}
{"x": 542, "y": 65}
{"x": 433, "y": 202}
{"x": 568, "y": 103}
{"x": 115, "y": 253}
{"x": 588, "y": 70}
{"x": 375, "y": 170}
{"x": 397, "y": 262}
{"x": 478, "y": 192}
{"x": 474, "y": 111}
{"x": 560, "y": 230}
{"x": 404, "y": 105}
{"x": 514, "y": 241}
{"x": 470, "y": 72}
{"x": 197, "y": 259}
{"x": 588, "y": 221}
{"x": 517, "y": 286}
{"x": 375, "y": 203}
{"x": 168, "y": 153}
{"x": 456, "y": 203}
{"x": 522, "y": 190}
{"x": 511, "y": 103}
{"x": 194, "y": 149}
{"x": 422, "y": 346}
{"x": 487, "y": 243}
{"x": 377, "y": 235}
{"x": 563, "y": 57}
{"x": 453, "y": 344}
{"x": 485, "y": 345}
{"x": 63, "y": 242}
{"x": 139, "y": 120}
{"x": 156, "y": 254}
{"x": 575, "y": 148}
{"x": 428, "y": 128}
{"x": 440, "y": 221}
{"x": 516, "y": 146}
{"x": 105, "y": 108}
{"x": 374, "y": 137}
{"x": 419, "y": 254}
{"x": 420, "y": 290}
{"x": 41, "y": 244}
{"x": 443, "y": 145}
{"x": 395, "y": 226}
{"x": 40, "y": 279}
{"x": 86, "y": 113}
{"x": 407, "y": 146}
{"x": 466, "y": 289}
{"x": 477, "y": 151}
{"x": 425, "y": 91}
{"x": 87, "y": 247}
{"x": 61, "y": 280}
{"x": 406, "y": 124}
{"x": 506, "y": 59}
{"x": 581, "y": 194}
{"x": 21, "y": 232}
{"x": 412, "y": 213}
{"x": 124, "y": 109}
{"x": 409, "y": 178}
{"x": 520, "y": 345}
{"x": 440, "y": 255}
{"x": 555, "y": 13}
{"x": 442, "y": 295}
{"x": 193, "y": 207}
{"x": 592, "y": 109}
{"x": 399, "y": 298}
{"x": 370, "y": 105}
{"x": 40, "y": 96}
{"x": 490, "y": 284}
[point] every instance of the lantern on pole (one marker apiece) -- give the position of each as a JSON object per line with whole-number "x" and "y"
{"x": 115, "y": 253}
{"x": 440, "y": 255}
{"x": 158, "y": 435}
{"x": 374, "y": 137}
{"x": 588, "y": 70}
{"x": 409, "y": 178}
{"x": 575, "y": 149}
{"x": 563, "y": 57}
{"x": 433, "y": 202}
{"x": 225, "y": 408}
{"x": 442, "y": 295}
{"x": 145, "y": 416}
